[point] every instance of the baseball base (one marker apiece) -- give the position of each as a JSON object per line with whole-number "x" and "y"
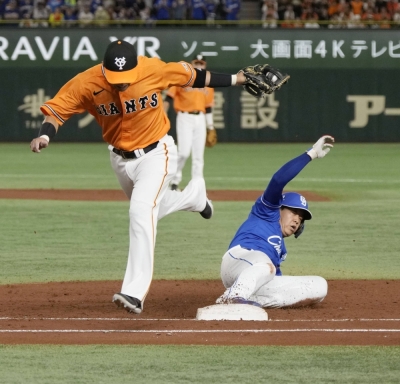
{"x": 232, "y": 312}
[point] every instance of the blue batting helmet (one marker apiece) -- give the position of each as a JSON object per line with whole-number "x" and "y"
{"x": 297, "y": 201}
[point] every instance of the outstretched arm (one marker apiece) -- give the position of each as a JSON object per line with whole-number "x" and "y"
{"x": 47, "y": 131}
{"x": 292, "y": 168}
{"x": 258, "y": 80}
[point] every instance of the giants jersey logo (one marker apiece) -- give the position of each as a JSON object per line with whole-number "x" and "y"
{"x": 130, "y": 106}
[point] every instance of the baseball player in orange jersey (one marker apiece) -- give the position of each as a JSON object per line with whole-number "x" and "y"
{"x": 193, "y": 107}
{"x": 123, "y": 93}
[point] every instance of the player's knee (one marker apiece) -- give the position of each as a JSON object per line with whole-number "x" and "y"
{"x": 272, "y": 269}
{"x": 320, "y": 287}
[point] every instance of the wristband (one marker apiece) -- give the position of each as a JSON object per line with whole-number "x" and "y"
{"x": 220, "y": 80}
{"x": 47, "y": 129}
{"x": 209, "y": 121}
{"x": 234, "y": 80}
{"x": 45, "y": 137}
{"x": 312, "y": 153}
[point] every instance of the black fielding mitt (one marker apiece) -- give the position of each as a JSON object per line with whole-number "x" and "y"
{"x": 261, "y": 80}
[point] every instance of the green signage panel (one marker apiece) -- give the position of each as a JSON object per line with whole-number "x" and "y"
{"x": 225, "y": 48}
{"x": 336, "y": 87}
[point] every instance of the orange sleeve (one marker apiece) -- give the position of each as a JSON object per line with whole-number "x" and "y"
{"x": 171, "y": 92}
{"x": 180, "y": 74}
{"x": 67, "y": 102}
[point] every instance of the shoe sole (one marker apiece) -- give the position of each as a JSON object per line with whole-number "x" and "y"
{"x": 121, "y": 302}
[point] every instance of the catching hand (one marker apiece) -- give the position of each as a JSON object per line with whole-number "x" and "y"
{"x": 211, "y": 138}
{"x": 321, "y": 147}
{"x": 261, "y": 80}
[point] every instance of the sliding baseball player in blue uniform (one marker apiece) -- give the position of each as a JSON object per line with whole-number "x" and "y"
{"x": 250, "y": 269}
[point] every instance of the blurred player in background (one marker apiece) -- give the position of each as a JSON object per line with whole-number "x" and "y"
{"x": 194, "y": 123}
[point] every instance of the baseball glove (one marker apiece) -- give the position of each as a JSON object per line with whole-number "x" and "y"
{"x": 261, "y": 80}
{"x": 211, "y": 138}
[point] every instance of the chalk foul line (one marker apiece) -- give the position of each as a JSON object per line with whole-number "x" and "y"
{"x": 170, "y": 332}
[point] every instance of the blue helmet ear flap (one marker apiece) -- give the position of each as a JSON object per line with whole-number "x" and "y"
{"x": 300, "y": 230}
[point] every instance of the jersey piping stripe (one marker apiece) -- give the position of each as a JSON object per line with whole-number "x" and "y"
{"x": 54, "y": 113}
{"x": 239, "y": 258}
{"x": 191, "y": 77}
{"x": 269, "y": 205}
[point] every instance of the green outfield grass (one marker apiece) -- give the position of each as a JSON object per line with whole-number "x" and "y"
{"x": 353, "y": 236}
{"x": 198, "y": 364}
{"x": 59, "y": 240}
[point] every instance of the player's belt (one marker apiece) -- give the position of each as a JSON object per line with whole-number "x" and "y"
{"x": 136, "y": 153}
{"x": 192, "y": 113}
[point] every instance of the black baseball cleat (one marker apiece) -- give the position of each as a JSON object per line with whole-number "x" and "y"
{"x": 208, "y": 211}
{"x": 131, "y": 304}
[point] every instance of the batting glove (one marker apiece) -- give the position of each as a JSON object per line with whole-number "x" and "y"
{"x": 321, "y": 147}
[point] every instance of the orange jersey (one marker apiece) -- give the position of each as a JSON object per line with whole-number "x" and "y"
{"x": 191, "y": 99}
{"x": 131, "y": 119}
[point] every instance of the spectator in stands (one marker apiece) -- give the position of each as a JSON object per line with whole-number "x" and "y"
{"x": 179, "y": 10}
{"x": 211, "y": 9}
{"x": 85, "y": 17}
{"x": 162, "y": 9}
{"x": 335, "y": 22}
{"x": 282, "y": 7}
{"x": 392, "y": 6}
{"x": 297, "y": 8}
{"x": 370, "y": 18}
{"x": 288, "y": 18}
{"x": 94, "y": 4}
{"x": 26, "y": 9}
{"x": 385, "y": 19}
{"x": 70, "y": 3}
{"x": 101, "y": 16}
{"x": 220, "y": 13}
{"x": 41, "y": 14}
{"x": 357, "y": 7}
{"x": 396, "y": 18}
{"x": 53, "y": 4}
{"x": 199, "y": 11}
{"x": 270, "y": 20}
{"x": 379, "y": 4}
{"x": 11, "y": 13}
{"x": 232, "y": 9}
{"x": 27, "y": 22}
{"x": 311, "y": 20}
{"x": 70, "y": 16}
{"x": 56, "y": 18}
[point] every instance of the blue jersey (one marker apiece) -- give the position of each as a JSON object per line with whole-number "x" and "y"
{"x": 262, "y": 231}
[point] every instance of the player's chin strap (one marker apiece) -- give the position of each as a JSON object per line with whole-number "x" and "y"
{"x": 300, "y": 230}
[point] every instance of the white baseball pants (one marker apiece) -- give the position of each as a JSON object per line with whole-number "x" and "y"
{"x": 145, "y": 181}
{"x": 191, "y": 136}
{"x": 251, "y": 275}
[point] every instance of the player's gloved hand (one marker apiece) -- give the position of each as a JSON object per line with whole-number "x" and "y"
{"x": 321, "y": 147}
{"x": 211, "y": 138}
{"x": 262, "y": 80}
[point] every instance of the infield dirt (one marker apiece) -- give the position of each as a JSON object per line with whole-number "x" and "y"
{"x": 355, "y": 312}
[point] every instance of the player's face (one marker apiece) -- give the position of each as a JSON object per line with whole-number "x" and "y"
{"x": 121, "y": 87}
{"x": 199, "y": 64}
{"x": 290, "y": 220}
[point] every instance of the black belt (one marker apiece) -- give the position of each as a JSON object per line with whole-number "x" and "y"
{"x": 136, "y": 153}
{"x": 192, "y": 113}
